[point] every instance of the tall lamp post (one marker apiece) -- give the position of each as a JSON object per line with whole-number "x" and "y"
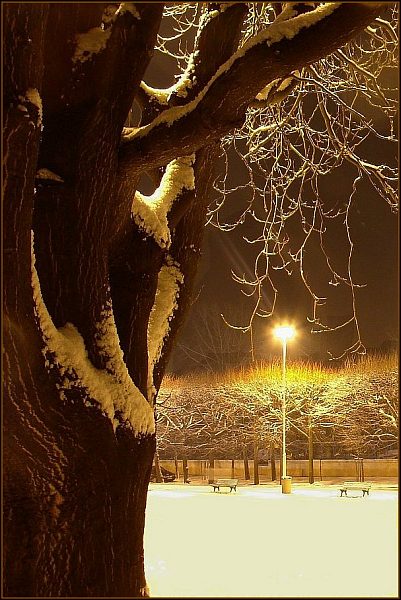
{"x": 284, "y": 333}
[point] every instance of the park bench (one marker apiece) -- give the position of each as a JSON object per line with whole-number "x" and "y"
{"x": 355, "y": 485}
{"x": 231, "y": 483}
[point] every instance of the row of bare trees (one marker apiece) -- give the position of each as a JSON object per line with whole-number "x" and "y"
{"x": 353, "y": 409}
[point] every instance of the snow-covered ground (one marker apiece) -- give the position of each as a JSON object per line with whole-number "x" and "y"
{"x": 258, "y": 542}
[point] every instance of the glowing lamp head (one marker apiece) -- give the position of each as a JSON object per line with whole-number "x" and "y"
{"x": 284, "y": 332}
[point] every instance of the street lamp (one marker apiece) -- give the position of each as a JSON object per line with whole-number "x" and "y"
{"x": 284, "y": 333}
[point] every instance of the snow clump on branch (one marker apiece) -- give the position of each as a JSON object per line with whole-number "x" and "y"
{"x": 128, "y": 7}
{"x": 47, "y": 174}
{"x": 150, "y": 212}
{"x": 89, "y": 43}
{"x": 32, "y": 96}
{"x": 95, "y": 39}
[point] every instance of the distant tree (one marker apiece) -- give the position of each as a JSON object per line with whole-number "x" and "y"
{"x": 254, "y": 398}
{"x": 310, "y": 403}
{"x": 367, "y": 422}
{"x": 176, "y": 424}
{"x": 192, "y": 421}
{"x": 314, "y": 405}
{"x": 222, "y": 420}
{"x": 98, "y": 275}
{"x": 239, "y": 412}
{"x": 210, "y": 345}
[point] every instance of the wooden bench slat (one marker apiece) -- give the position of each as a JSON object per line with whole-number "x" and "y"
{"x": 356, "y": 484}
{"x": 222, "y": 481}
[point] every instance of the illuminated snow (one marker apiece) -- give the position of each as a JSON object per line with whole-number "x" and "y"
{"x": 261, "y": 543}
{"x": 33, "y": 97}
{"x": 168, "y": 285}
{"x": 89, "y": 43}
{"x": 180, "y": 88}
{"x": 127, "y": 399}
{"x": 277, "y": 85}
{"x": 155, "y": 94}
{"x": 150, "y": 212}
{"x": 47, "y": 174}
{"x": 129, "y": 7}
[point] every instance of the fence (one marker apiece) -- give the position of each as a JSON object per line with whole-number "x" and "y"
{"x": 322, "y": 469}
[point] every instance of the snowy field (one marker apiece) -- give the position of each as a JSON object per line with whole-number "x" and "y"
{"x": 260, "y": 543}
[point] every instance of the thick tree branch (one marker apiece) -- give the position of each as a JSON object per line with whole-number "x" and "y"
{"x": 217, "y": 39}
{"x": 189, "y": 235}
{"x": 137, "y": 259}
{"x": 218, "y": 36}
{"x": 83, "y": 89}
{"x": 222, "y": 105}
{"x": 85, "y": 105}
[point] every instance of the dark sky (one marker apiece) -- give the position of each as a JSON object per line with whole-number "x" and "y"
{"x": 375, "y": 263}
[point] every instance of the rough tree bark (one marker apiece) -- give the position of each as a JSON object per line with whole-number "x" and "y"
{"x": 76, "y": 474}
{"x": 71, "y": 484}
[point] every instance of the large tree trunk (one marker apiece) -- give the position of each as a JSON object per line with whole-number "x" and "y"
{"x": 73, "y": 486}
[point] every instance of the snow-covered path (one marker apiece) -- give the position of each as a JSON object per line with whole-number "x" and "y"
{"x": 260, "y": 543}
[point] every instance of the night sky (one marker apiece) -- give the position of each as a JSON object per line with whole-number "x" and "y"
{"x": 375, "y": 262}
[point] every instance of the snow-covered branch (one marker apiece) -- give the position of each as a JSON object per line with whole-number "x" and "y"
{"x": 150, "y": 212}
{"x": 169, "y": 281}
{"x": 223, "y": 100}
